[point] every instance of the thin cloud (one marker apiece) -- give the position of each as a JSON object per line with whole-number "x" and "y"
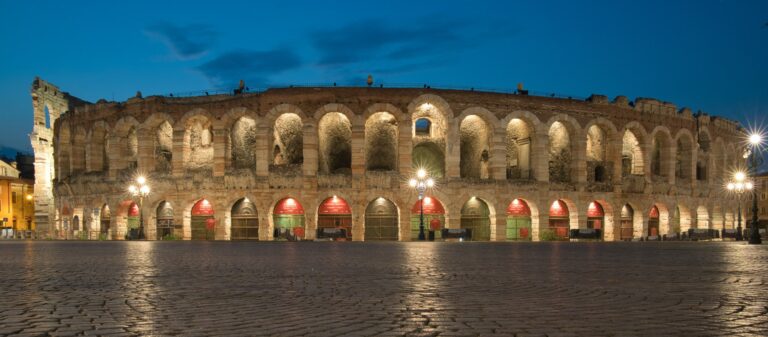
{"x": 185, "y": 42}
{"x": 255, "y": 67}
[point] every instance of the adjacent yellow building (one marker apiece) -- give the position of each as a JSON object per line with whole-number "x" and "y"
{"x": 17, "y": 206}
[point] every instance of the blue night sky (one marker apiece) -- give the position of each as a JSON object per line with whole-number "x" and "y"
{"x": 708, "y": 55}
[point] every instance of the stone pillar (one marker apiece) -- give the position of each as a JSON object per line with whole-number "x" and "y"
{"x": 453, "y": 153}
{"x": 115, "y": 156}
{"x": 310, "y": 151}
{"x": 146, "y": 155}
{"x": 543, "y": 224}
{"x": 692, "y": 166}
{"x": 579, "y": 159}
{"x": 405, "y": 146}
{"x": 671, "y": 163}
{"x": 405, "y": 223}
{"x": 540, "y": 157}
{"x": 219, "y": 151}
{"x": 263, "y": 155}
{"x": 358, "y": 149}
{"x": 499, "y": 230}
{"x": 498, "y": 160}
{"x": 179, "y": 153}
{"x": 613, "y": 155}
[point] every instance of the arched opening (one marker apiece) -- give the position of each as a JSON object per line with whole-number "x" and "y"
{"x": 163, "y": 147}
{"x": 334, "y": 217}
{"x": 47, "y": 117}
{"x": 243, "y": 143}
{"x": 381, "y": 220}
{"x": 423, "y": 127}
{"x": 597, "y": 166}
{"x": 702, "y": 217}
{"x": 288, "y": 218}
{"x": 682, "y": 220}
{"x": 203, "y": 223}
{"x": 631, "y": 155}
{"x": 626, "y": 228}
{"x": 596, "y": 217}
{"x": 245, "y": 221}
{"x": 288, "y": 140}
{"x": 474, "y": 156}
{"x": 133, "y": 220}
{"x": 518, "y": 221}
{"x": 198, "y": 144}
{"x": 476, "y": 217}
{"x": 434, "y": 217}
{"x": 653, "y": 223}
{"x": 518, "y": 149}
{"x": 560, "y": 153}
{"x": 76, "y": 223}
{"x": 165, "y": 221}
{"x": 683, "y": 159}
{"x": 381, "y": 142}
{"x": 559, "y": 219}
{"x": 429, "y": 157}
{"x": 105, "y": 220}
{"x": 335, "y": 140}
{"x": 131, "y": 149}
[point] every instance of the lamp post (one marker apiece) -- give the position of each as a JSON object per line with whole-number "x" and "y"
{"x": 755, "y": 144}
{"x": 421, "y": 183}
{"x": 739, "y": 185}
{"x": 140, "y": 190}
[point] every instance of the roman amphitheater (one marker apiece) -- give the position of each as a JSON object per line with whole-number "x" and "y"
{"x": 304, "y": 163}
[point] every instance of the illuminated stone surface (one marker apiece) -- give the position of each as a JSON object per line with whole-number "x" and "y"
{"x": 361, "y": 289}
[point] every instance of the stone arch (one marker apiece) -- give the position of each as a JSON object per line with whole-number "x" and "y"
{"x": 105, "y": 221}
{"x": 336, "y": 108}
{"x": 381, "y": 142}
{"x": 384, "y": 107}
{"x": 197, "y": 151}
{"x": 242, "y": 143}
{"x": 563, "y": 131}
{"x": 244, "y": 220}
{"x": 429, "y": 150}
{"x": 702, "y": 217}
{"x": 475, "y": 147}
{"x": 563, "y": 215}
{"x": 522, "y": 220}
{"x": 159, "y": 127}
{"x": 632, "y": 155}
{"x": 276, "y": 112}
{"x": 335, "y": 144}
{"x": 125, "y": 148}
{"x": 600, "y": 216}
{"x": 382, "y": 220}
{"x": 661, "y": 153}
{"x": 627, "y": 223}
{"x": 288, "y": 218}
{"x": 202, "y": 219}
{"x": 164, "y": 220}
{"x": 598, "y": 166}
{"x": 422, "y": 102}
{"x": 288, "y": 140}
{"x": 682, "y": 219}
{"x": 434, "y": 216}
{"x": 684, "y": 155}
{"x": 334, "y": 213}
{"x": 704, "y": 157}
{"x": 659, "y": 221}
{"x": 519, "y": 143}
{"x": 98, "y": 143}
{"x": 476, "y": 217}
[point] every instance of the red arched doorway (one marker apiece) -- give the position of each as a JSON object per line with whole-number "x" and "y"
{"x": 518, "y": 220}
{"x": 653, "y": 222}
{"x": 627, "y": 215}
{"x": 203, "y": 222}
{"x": 334, "y": 216}
{"x": 288, "y": 217}
{"x": 559, "y": 221}
{"x": 596, "y": 217}
{"x": 434, "y": 217}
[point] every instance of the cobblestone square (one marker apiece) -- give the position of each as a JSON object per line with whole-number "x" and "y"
{"x": 390, "y": 289}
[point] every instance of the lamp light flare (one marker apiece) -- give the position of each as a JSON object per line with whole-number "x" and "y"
{"x": 412, "y": 182}
{"x": 132, "y": 189}
{"x": 144, "y": 189}
{"x": 755, "y": 139}
{"x": 141, "y": 180}
{"x": 421, "y": 173}
{"x": 749, "y": 185}
{"x": 739, "y": 185}
{"x": 730, "y": 186}
{"x": 740, "y": 176}
{"x": 430, "y": 182}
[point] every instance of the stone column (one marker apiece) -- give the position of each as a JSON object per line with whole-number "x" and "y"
{"x": 498, "y": 160}
{"x": 500, "y": 232}
{"x": 579, "y": 159}
{"x": 310, "y": 150}
{"x": 219, "y": 151}
{"x": 613, "y": 155}
{"x": 263, "y": 155}
{"x": 115, "y": 156}
{"x": 453, "y": 152}
{"x": 146, "y": 155}
{"x": 671, "y": 163}
{"x": 358, "y": 149}
{"x": 540, "y": 157}
{"x": 179, "y": 152}
{"x": 405, "y": 146}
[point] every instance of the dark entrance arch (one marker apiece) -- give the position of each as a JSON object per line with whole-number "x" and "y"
{"x": 245, "y": 221}
{"x": 288, "y": 218}
{"x": 627, "y": 230}
{"x": 334, "y": 214}
{"x": 434, "y": 217}
{"x": 381, "y": 221}
{"x": 105, "y": 219}
{"x": 475, "y": 216}
{"x": 559, "y": 221}
{"x": 518, "y": 220}
{"x": 164, "y": 221}
{"x": 203, "y": 223}
{"x": 653, "y": 222}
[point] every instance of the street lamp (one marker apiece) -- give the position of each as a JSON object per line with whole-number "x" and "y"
{"x": 140, "y": 190}
{"x": 421, "y": 183}
{"x": 739, "y": 185}
{"x": 753, "y": 154}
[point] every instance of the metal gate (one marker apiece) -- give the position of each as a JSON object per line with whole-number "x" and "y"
{"x": 245, "y": 221}
{"x": 164, "y": 221}
{"x": 518, "y": 228}
{"x": 203, "y": 227}
{"x": 476, "y": 217}
{"x": 625, "y": 230}
{"x": 381, "y": 220}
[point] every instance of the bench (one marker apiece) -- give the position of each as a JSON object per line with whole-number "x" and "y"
{"x": 457, "y": 234}
{"x": 586, "y": 234}
{"x": 331, "y": 233}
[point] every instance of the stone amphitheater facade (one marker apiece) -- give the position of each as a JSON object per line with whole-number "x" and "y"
{"x": 242, "y": 155}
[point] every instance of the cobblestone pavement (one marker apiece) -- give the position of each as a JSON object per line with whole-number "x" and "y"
{"x": 389, "y": 289}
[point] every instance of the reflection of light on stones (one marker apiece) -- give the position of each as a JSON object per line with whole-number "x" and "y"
{"x": 140, "y": 285}
{"x": 422, "y": 299}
